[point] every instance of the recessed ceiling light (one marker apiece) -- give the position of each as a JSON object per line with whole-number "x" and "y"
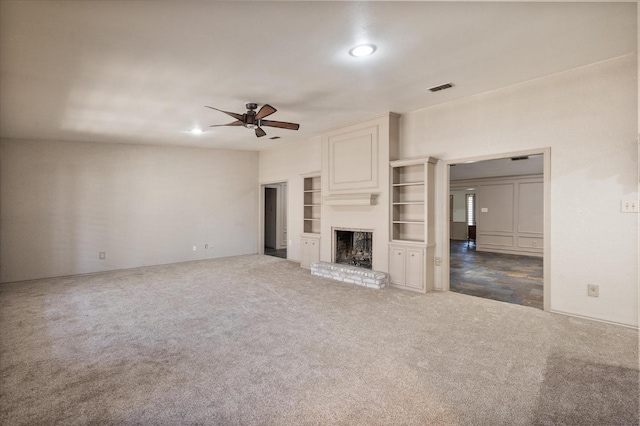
{"x": 196, "y": 131}
{"x": 362, "y": 50}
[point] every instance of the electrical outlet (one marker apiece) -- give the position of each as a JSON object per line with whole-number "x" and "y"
{"x": 195, "y": 248}
{"x": 629, "y": 206}
{"x": 103, "y": 255}
{"x": 290, "y": 242}
{"x": 206, "y": 246}
{"x": 438, "y": 261}
{"x": 593, "y": 290}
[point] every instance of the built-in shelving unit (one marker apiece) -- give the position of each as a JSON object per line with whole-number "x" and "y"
{"x": 312, "y": 204}
{"x": 411, "y": 249}
{"x": 408, "y": 195}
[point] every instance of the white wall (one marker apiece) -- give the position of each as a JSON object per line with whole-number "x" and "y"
{"x": 64, "y": 202}
{"x": 588, "y": 117}
{"x": 287, "y": 163}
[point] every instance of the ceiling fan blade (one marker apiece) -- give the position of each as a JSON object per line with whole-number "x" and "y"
{"x": 232, "y": 114}
{"x": 264, "y": 111}
{"x": 280, "y": 124}
{"x": 235, "y": 123}
{"x": 260, "y": 133}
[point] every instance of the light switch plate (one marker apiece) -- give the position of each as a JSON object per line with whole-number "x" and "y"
{"x": 484, "y": 210}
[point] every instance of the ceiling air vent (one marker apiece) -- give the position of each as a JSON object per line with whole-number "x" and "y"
{"x": 441, "y": 87}
{"x": 524, "y": 157}
{"x": 275, "y": 137}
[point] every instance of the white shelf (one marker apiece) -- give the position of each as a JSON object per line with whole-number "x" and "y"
{"x": 409, "y": 184}
{"x": 408, "y": 194}
{"x": 312, "y": 203}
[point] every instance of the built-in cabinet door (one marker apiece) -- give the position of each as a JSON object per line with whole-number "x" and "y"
{"x": 414, "y": 277}
{"x": 314, "y": 251}
{"x": 407, "y": 265}
{"x": 305, "y": 261}
{"x": 397, "y": 265}
{"x": 309, "y": 251}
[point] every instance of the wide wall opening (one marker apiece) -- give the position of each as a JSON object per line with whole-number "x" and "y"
{"x": 496, "y": 229}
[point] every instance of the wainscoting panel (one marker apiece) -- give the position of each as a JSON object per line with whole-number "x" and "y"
{"x": 495, "y": 240}
{"x": 512, "y": 220}
{"x": 497, "y": 199}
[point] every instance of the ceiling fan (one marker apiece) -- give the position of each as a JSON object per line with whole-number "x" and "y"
{"x": 255, "y": 120}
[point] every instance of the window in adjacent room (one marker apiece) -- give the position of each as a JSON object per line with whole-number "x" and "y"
{"x": 471, "y": 209}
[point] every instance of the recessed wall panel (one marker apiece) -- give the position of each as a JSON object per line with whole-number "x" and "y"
{"x": 497, "y": 200}
{"x": 495, "y": 240}
{"x": 353, "y": 160}
{"x": 530, "y": 207}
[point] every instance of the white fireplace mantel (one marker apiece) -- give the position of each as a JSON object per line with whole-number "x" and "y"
{"x": 358, "y": 199}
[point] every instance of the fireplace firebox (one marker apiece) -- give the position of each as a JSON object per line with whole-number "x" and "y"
{"x": 354, "y": 247}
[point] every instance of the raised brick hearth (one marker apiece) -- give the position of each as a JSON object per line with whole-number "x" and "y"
{"x": 350, "y": 274}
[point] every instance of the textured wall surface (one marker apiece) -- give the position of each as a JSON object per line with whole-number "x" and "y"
{"x": 588, "y": 117}
{"x": 288, "y": 163}
{"x": 64, "y": 202}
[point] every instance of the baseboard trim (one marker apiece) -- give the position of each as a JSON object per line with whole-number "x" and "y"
{"x": 621, "y": 324}
{"x": 106, "y": 271}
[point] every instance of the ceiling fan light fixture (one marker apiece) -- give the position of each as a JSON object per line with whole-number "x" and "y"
{"x": 362, "y": 50}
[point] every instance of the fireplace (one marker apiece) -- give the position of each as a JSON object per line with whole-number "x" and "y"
{"x": 353, "y": 247}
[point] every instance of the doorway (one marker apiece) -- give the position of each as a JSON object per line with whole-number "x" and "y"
{"x": 497, "y": 233}
{"x": 274, "y": 226}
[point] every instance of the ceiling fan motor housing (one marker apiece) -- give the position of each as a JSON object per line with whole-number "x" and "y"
{"x": 249, "y": 118}
{"x": 250, "y": 121}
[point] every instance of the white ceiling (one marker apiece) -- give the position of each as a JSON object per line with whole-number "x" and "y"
{"x": 141, "y": 71}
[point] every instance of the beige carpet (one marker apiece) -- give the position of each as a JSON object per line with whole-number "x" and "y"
{"x": 257, "y": 340}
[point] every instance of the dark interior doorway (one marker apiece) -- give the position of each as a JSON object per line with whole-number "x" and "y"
{"x": 275, "y": 220}
{"x": 270, "y": 217}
